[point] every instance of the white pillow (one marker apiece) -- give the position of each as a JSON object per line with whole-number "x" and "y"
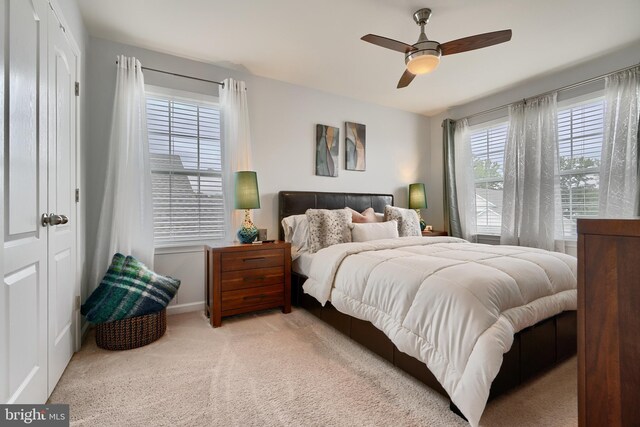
{"x": 296, "y": 232}
{"x": 408, "y": 221}
{"x": 374, "y": 231}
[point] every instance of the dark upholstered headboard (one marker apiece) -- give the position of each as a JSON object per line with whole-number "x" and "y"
{"x": 297, "y": 202}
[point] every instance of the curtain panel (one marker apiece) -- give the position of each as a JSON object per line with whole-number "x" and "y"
{"x": 531, "y": 212}
{"x": 126, "y": 216}
{"x": 236, "y": 145}
{"x": 465, "y": 181}
{"x": 459, "y": 183}
{"x": 619, "y": 181}
{"x": 451, "y": 213}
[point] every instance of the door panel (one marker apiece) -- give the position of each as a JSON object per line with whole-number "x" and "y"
{"x": 24, "y": 293}
{"x": 23, "y": 290}
{"x": 62, "y": 238}
{"x": 22, "y": 157}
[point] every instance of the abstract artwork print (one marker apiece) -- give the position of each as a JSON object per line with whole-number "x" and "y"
{"x": 327, "y": 146}
{"x": 355, "y": 146}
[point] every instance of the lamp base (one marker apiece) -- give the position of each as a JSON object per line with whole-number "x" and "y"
{"x": 423, "y": 223}
{"x": 248, "y": 232}
{"x": 247, "y": 235}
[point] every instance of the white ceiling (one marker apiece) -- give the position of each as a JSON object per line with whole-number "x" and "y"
{"x": 317, "y": 43}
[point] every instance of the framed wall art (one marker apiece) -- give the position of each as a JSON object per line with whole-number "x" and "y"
{"x": 327, "y": 149}
{"x": 355, "y": 146}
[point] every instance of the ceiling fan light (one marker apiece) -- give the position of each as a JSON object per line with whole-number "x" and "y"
{"x": 424, "y": 63}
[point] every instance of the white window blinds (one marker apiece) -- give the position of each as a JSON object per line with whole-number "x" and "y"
{"x": 186, "y": 165}
{"x": 580, "y": 136}
{"x": 487, "y": 148}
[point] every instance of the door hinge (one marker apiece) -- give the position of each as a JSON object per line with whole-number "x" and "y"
{"x": 77, "y": 195}
{"x": 78, "y": 302}
{"x": 77, "y": 88}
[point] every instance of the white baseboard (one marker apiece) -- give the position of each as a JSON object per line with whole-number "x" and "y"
{"x": 185, "y": 308}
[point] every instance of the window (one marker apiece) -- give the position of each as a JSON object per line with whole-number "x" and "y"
{"x": 487, "y": 149}
{"x": 580, "y": 137}
{"x": 186, "y": 166}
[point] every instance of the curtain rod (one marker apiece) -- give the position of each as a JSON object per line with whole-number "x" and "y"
{"x": 181, "y": 75}
{"x": 571, "y": 86}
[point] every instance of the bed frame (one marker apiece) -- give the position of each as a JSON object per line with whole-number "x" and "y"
{"x": 535, "y": 349}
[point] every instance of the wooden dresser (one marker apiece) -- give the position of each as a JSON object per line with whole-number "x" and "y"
{"x": 608, "y": 322}
{"x": 240, "y": 278}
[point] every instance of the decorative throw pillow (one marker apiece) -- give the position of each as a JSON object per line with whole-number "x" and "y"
{"x": 408, "y": 221}
{"x": 296, "y": 232}
{"x": 367, "y": 215}
{"x": 374, "y": 231}
{"x": 128, "y": 289}
{"x": 328, "y": 227}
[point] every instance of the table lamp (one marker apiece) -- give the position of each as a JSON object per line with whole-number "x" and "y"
{"x": 418, "y": 200}
{"x": 247, "y": 197}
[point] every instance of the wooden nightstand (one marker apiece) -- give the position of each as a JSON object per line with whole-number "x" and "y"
{"x": 434, "y": 233}
{"x": 241, "y": 278}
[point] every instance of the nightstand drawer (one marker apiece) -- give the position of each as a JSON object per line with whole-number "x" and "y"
{"x": 264, "y": 295}
{"x": 242, "y": 279}
{"x": 252, "y": 259}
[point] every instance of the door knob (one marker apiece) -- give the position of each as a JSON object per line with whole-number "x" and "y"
{"x": 53, "y": 219}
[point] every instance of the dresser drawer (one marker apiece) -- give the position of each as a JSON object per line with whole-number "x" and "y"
{"x": 271, "y": 295}
{"x": 242, "y": 279}
{"x": 252, "y": 259}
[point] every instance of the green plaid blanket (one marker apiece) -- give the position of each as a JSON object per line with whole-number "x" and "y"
{"x": 128, "y": 289}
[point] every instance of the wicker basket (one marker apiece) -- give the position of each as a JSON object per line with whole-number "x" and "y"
{"x": 131, "y": 333}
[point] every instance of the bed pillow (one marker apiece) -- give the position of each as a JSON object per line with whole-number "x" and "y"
{"x": 374, "y": 231}
{"x": 296, "y": 232}
{"x": 408, "y": 221}
{"x": 367, "y": 215}
{"x": 328, "y": 227}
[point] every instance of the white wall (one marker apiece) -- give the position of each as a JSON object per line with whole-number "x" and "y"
{"x": 598, "y": 66}
{"x": 283, "y": 118}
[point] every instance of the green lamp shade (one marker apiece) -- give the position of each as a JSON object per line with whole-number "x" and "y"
{"x": 417, "y": 196}
{"x": 246, "y": 190}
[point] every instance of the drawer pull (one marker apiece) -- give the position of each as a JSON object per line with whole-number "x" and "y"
{"x": 254, "y": 279}
{"x": 253, "y": 259}
{"x": 248, "y": 298}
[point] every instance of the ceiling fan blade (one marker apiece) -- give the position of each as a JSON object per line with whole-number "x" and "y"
{"x": 406, "y": 78}
{"x": 388, "y": 43}
{"x": 475, "y": 42}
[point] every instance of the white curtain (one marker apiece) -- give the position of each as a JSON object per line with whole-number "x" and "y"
{"x": 531, "y": 211}
{"x": 465, "y": 180}
{"x": 126, "y": 216}
{"x": 236, "y": 146}
{"x": 619, "y": 183}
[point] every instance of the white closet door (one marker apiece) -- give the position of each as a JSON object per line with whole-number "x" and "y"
{"x": 23, "y": 296}
{"x": 61, "y": 191}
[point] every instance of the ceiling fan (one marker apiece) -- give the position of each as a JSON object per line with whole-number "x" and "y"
{"x": 424, "y": 56}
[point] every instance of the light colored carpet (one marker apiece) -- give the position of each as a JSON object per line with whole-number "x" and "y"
{"x": 276, "y": 369}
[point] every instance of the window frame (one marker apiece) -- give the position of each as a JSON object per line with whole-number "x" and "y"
{"x": 478, "y": 127}
{"x": 570, "y": 103}
{"x": 200, "y": 99}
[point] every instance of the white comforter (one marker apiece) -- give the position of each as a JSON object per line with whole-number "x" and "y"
{"x": 452, "y": 304}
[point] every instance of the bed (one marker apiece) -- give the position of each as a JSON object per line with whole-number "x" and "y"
{"x": 534, "y": 348}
